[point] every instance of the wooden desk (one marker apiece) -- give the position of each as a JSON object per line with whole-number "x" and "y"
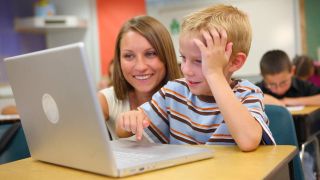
{"x": 305, "y": 111}
{"x": 306, "y": 126}
{"x": 228, "y": 163}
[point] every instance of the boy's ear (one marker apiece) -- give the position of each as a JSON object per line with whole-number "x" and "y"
{"x": 237, "y": 61}
{"x": 293, "y": 70}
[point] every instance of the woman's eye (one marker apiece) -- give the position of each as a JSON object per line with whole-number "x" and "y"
{"x": 128, "y": 56}
{"x": 151, "y": 54}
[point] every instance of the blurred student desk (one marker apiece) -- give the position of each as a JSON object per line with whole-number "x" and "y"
{"x": 304, "y": 110}
{"x": 267, "y": 162}
{"x": 306, "y": 121}
{"x": 6, "y": 96}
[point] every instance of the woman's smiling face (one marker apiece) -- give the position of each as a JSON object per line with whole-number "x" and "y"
{"x": 140, "y": 63}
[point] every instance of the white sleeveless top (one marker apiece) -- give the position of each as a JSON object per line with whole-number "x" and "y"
{"x": 115, "y": 108}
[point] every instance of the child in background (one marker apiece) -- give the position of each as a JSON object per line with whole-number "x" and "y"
{"x": 206, "y": 106}
{"x": 106, "y": 80}
{"x": 306, "y": 69}
{"x": 279, "y": 84}
{"x": 315, "y": 79}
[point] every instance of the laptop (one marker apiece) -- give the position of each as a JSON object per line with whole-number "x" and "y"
{"x": 64, "y": 124}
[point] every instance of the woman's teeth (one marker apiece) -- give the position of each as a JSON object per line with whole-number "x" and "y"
{"x": 142, "y": 77}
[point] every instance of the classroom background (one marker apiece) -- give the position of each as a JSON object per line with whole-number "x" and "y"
{"x": 31, "y": 25}
{"x": 290, "y": 25}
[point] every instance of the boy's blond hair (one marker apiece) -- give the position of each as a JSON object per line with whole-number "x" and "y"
{"x": 235, "y": 22}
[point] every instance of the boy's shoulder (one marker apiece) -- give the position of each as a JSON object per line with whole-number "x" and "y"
{"x": 243, "y": 85}
{"x": 177, "y": 83}
{"x": 238, "y": 86}
{"x": 178, "y": 86}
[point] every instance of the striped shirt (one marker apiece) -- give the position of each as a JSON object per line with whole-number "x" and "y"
{"x": 180, "y": 117}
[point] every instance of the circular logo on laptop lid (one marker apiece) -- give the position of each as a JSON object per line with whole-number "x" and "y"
{"x": 50, "y": 108}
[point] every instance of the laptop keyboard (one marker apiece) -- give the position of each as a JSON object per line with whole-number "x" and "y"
{"x": 133, "y": 157}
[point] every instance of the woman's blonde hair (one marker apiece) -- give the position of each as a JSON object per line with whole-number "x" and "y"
{"x": 159, "y": 38}
{"x": 235, "y": 22}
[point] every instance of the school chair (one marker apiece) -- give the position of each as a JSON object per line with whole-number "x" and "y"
{"x": 307, "y": 125}
{"x": 309, "y": 155}
{"x": 13, "y": 144}
{"x": 283, "y": 131}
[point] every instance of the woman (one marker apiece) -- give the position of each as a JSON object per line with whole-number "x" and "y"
{"x": 144, "y": 61}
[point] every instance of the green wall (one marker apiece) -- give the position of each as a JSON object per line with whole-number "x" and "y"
{"x": 312, "y": 13}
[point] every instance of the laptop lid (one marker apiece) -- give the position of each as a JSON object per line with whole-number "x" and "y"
{"x": 55, "y": 98}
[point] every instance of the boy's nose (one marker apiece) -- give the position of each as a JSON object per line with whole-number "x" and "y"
{"x": 186, "y": 69}
{"x": 278, "y": 90}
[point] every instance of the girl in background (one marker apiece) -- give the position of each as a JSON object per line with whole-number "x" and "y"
{"x": 307, "y": 69}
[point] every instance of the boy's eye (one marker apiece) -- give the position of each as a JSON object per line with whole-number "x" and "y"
{"x": 183, "y": 59}
{"x": 198, "y": 61}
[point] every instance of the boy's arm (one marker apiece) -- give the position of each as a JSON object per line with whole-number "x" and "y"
{"x": 268, "y": 99}
{"x": 245, "y": 130}
{"x": 306, "y": 100}
{"x": 130, "y": 123}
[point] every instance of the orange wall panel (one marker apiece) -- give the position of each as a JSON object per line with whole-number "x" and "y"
{"x": 111, "y": 15}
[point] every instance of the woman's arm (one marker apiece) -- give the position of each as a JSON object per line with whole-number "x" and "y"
{"x": 104, "y": 105}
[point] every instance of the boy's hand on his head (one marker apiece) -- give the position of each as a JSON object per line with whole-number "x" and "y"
{"x": 134, "y": 122}
{"x": 217, "y": 51}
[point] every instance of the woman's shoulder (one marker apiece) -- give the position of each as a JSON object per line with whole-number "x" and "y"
{"x": 107, "y": 91}
{"x": 109, "y": 94}
{"x": 115, "y": 105}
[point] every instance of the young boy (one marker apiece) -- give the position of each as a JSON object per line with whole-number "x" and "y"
{"x": 207, "y": 106}
{"x": 279, "y": 84}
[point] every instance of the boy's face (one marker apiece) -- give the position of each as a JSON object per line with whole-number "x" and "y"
{"x": 191, "y": 66}
{"x": 279, "y": 83}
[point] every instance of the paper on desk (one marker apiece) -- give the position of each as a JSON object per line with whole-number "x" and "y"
{"x": 6, "y": 91}
{"x": 295, "y": 108}
{"x": 9, "y": 117}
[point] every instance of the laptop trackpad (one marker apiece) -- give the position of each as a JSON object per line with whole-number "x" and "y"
{"x": 129, "y": 153}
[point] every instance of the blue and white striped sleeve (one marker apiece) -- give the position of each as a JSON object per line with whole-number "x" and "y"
{"x": 158, "y": 131}
{"x": 252, "y": 99}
